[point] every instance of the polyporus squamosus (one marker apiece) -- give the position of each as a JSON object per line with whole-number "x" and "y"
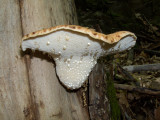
{"x": 75, "y": 49}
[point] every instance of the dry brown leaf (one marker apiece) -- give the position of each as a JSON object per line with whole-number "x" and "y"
{"x": 122, "y": 99}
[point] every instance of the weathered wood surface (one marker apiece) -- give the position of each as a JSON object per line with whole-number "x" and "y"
{"x": 14, "y": 88}
{"x": 98, "y": 102}
{"x": 145, "y": 67}
{"x": 29, "y": 88}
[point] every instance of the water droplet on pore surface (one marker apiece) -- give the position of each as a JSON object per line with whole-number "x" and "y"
{"x": 48, "y": 43}
{"x": 68, "y": 60}
{"x": 59, "y": 52}
{"x": 64, "y": 47}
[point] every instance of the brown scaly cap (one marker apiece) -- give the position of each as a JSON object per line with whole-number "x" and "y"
{"x": 110, "y": 38}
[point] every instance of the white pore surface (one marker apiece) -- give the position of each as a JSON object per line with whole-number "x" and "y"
{"x": 124, "y": 44}
{"x": 75, "y": 54}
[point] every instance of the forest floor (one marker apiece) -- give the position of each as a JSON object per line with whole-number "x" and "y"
{"x": 137, "y": 71}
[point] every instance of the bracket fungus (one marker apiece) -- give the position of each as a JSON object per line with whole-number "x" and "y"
{"x": 75, "y": 49}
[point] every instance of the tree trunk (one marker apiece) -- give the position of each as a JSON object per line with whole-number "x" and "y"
{"x": 29, "y": 88}
{"x": 98, "y": 101}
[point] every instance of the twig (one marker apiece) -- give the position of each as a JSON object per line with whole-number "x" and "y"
{"x": 155, "y": 45}
{"x": 146, "y": 67}
{"x": 126, "y": 74}
{"x": 152, "y": 52}
{"x": 137, "y": 89}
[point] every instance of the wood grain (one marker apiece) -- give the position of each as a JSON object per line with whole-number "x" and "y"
{"x": 14, "y": 88}
{"x": 29, "y": 87}
{"x": 98, "y": 101}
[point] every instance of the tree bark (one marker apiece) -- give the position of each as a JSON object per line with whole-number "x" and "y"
{"x": 29, "y": 88}
{"x": 98, "y": 101}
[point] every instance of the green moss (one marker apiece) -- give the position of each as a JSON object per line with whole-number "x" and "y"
{"x": 111, "y": 93}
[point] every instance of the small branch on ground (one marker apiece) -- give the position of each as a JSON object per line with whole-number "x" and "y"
{"x": 126, "y": 74}
{"x": 137, "y": 89}
{"x": 155, "y": 46}
{"x": 139, "y": 68}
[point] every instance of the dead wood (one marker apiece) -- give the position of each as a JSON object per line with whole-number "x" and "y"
{"x": 98, "y": 101}
{"x": 137, "y": 89}
{"x": 126, "y": 74}
{"x": 139, "y": 68}
{"x": 156, "y": 45}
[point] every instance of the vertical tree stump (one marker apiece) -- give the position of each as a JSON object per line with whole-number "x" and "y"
{"x": 98, "y": 102}
{"x": 29, "y": 88}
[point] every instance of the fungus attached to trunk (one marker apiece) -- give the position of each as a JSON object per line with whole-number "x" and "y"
{"x": 75, "y": 49}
